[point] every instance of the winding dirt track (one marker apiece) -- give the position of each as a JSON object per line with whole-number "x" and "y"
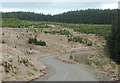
{"x": 67, "y": 72}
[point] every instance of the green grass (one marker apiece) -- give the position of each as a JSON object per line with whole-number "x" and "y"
{"x": 84, "y": 60}
{"x": 80, "y": 40}
{"x": 102, "y": 30}
{"x": 15, "y": 23}
{"x": 61, "y": 32}
{"x": 97, "y": 63}
{"x": 38, "y": 25}
{"x": 113, "y": 66}
{"x": 77, "y": 59}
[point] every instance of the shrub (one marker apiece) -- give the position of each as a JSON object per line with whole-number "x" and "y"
{"x": 35, "y": 36}
{"x": 69, "y": 39}
{"x": 89, "y": 43}
{"x": 40, "y": 29}
{"x": 46, "y": 26}
{"x": 35, "y": 30}
{"x": 32, "y": 40}
{"x": 88, "y": 62}
{"x": 19, "y": 26}
{"x": 45, "y": 32}
{"x": 3, "y": 42}
{"x": 42, "y": 43}
{"x": 71, "y": 57}
{"x": 27, "y": 31}
{"x": 30, "y": 48}
{"x": 77, "y": 39}
{"x": 17, "y": 36}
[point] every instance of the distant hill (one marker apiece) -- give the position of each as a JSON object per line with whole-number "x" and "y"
{"x": 89, "y": 16}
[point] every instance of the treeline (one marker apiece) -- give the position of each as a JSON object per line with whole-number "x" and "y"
{"x": 90, "y": 16}
{"x": 30, "y": 16}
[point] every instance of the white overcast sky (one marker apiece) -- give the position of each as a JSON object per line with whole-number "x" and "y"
{"x": 60, "y": 0}
{"x": 5, "y": 8}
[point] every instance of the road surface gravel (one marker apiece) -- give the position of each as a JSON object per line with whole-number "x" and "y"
{"x": 67, "y": 72}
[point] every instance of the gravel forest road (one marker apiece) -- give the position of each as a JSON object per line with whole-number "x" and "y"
{"x": 67, "y": 72}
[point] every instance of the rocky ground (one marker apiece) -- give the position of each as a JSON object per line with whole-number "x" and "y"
{"x": 17, "y": 67}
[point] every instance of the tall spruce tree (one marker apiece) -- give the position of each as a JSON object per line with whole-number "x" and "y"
{"x": 113, "y": 42}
